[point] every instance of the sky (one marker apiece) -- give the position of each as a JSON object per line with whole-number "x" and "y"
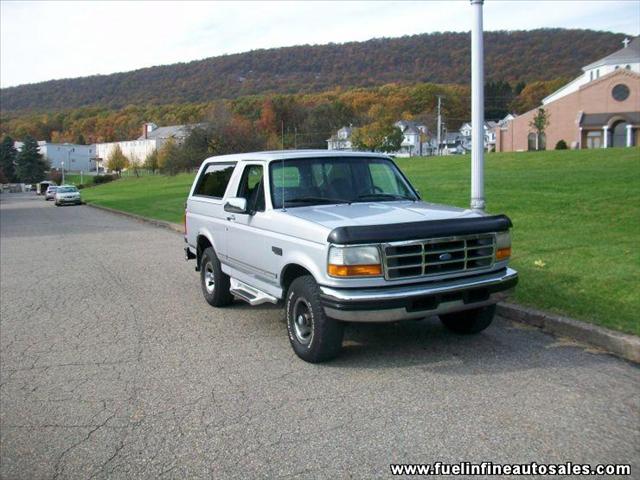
{"x": 47, "y": 40}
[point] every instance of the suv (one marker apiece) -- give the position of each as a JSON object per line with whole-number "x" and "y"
{"x": 341, "y": 237}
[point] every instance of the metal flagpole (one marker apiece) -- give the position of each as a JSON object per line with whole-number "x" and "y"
{"x": 477, "y": 108}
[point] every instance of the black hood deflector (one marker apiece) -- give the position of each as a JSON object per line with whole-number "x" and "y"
{"x": 396, "y": 232}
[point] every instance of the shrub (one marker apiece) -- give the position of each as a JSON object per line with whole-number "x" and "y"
{"x": 561, "y": 145}
{"x": 98, "y": 179}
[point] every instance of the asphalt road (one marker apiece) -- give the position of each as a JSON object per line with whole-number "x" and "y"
{"x": 113, "y": 365}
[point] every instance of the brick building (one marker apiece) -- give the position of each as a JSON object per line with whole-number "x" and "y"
{"x": 599, "y": 109}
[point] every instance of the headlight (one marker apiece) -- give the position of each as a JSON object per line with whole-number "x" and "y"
{"x": 503, "y": 246}
{"x": 354, "y": 262}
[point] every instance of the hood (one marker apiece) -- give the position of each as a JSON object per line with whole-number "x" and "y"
{"x": 379, "y": 213}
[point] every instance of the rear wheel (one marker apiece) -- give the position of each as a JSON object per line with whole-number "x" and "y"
{"x": 215, "y": 283}
{"x": 469, "y": 321}
{"x": 314, "y": 336}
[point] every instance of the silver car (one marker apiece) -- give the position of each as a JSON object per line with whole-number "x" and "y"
{"x": 67, "y": 194}
{"x": 50, "y": 193}
{"x": 339, "y": 237}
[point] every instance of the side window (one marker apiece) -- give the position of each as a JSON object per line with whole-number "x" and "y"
{"x": 252, "y": 188}
{"x": 214, "y": 179}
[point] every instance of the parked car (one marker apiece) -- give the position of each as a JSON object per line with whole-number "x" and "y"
{"x": 341, "y": 237}
{"x": 67, "y": 194}
{"x": 50, "y": 192}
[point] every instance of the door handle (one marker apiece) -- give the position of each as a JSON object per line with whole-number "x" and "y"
{"x": 231, "y": 217}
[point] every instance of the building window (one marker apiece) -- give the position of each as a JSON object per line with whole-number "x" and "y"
{"x": 598, "y": 73}
{"x": 620, "y": 92}
{"x": 591, "y": 75}
{"x": 628, "y": 67}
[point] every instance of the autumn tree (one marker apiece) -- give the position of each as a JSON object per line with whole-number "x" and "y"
{"x": 30, "y": 164}
{"x": 8, "y": 155}
{"x": 169, "y": 159}
{"x": 377, "y": 137}
{"x": 151, "y": 162}
{"x": 117, "y": 160}
{"x": 539, "y": 124}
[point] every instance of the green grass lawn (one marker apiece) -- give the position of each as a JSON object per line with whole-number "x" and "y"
{"x": 576, "y": 218}
{"x": 158, "y": 196}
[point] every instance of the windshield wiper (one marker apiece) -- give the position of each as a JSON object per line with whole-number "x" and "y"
{"x": 384, "y": 196}
{"x": 322, "y": 200}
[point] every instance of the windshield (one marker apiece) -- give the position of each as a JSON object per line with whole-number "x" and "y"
{"x": 316, "y": 181}
{"x": 67, "y": 189}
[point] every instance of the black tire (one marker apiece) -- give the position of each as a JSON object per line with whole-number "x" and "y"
{"x": 218, "y": 294}
{"x": 469, "y": 322}
{"x": 314, "y": 336}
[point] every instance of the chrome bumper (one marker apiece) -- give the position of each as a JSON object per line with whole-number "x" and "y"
{"x": 402, "y": 302}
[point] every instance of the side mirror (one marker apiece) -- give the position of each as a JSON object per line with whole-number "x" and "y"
{"x": 236, "y": 205}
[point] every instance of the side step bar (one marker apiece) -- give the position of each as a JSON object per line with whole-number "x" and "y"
{"x": 251, "y": 295}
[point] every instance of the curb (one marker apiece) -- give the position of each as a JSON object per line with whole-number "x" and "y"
{"x": 174, "y": 227}
{"x": 619, "y": 344}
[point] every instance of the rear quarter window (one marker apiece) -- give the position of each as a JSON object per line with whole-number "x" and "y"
{"x": 214, "y": 179}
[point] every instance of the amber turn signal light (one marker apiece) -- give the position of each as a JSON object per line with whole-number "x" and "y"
{"x": 354, "y": 270}
{"x": 503, "y": 253}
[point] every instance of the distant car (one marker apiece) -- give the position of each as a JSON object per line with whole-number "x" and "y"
{"x": 50, "y": 193}
{"x": 67, "y": 194}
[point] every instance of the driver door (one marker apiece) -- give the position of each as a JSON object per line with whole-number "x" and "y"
{"x": 248, "y": 245}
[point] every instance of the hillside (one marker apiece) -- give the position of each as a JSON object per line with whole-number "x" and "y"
{"x": 437, "y": 58}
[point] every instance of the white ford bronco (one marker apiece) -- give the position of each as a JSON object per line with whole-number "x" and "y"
{"x": 341, "y": 237}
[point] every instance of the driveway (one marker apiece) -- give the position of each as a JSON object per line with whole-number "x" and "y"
{"x": 113, "y": 365}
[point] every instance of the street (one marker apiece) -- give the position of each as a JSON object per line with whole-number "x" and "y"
{"x": 114, "y": 366}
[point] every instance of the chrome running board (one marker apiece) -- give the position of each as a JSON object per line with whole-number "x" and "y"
{"x": 249, "y": 294}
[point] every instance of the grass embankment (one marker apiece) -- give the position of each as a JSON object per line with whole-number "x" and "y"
{"x": 576, "y": 218}
{"x": 158, "y": 196}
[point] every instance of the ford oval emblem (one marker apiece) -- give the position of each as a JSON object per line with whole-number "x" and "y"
{"x": 445, "y": 256}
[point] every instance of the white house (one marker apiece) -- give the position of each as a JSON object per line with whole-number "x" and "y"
{"x": 415, "y": 140}
{"x": 341, "y": 140}
{"x": 627, "y": 58}
{"x": 489, "y": 135}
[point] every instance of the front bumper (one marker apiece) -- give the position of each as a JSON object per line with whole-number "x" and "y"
{"x": 403, "y": 302}
{"x": 76, "y": 201}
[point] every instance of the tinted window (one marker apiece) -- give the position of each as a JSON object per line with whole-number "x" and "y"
{"x": 252, "y": 188}
{"x": 214, "y": 179}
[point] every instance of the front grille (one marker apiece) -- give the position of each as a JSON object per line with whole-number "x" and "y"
{"x": 438, "y": 256}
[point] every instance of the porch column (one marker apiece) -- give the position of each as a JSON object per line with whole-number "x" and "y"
{"x": 579, "y": 138}
{"x": 605, "y": 134}
{"x": 629, "y": 135}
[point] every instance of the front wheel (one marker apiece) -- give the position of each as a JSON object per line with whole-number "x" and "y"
{"x": 314, "y": 336}
{"x": 469, "y": 321}
{"x": 215, "y": 283}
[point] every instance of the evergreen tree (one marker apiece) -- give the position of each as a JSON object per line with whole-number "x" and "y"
{"x": 8, "y": 155}
{"x": 31, "y": 165}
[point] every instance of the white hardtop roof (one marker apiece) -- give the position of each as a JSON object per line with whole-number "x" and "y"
{"x": 290, "y": 154}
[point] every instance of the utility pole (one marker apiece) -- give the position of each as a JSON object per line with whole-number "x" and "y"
{"x": 282, "y": 130}
{"x": 477, "y": 108}
{"x": 295, "y": 137}
{"x": 439, "y": 123}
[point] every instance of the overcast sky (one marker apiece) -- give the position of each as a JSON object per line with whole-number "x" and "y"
{"x": 50, "y": 40}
